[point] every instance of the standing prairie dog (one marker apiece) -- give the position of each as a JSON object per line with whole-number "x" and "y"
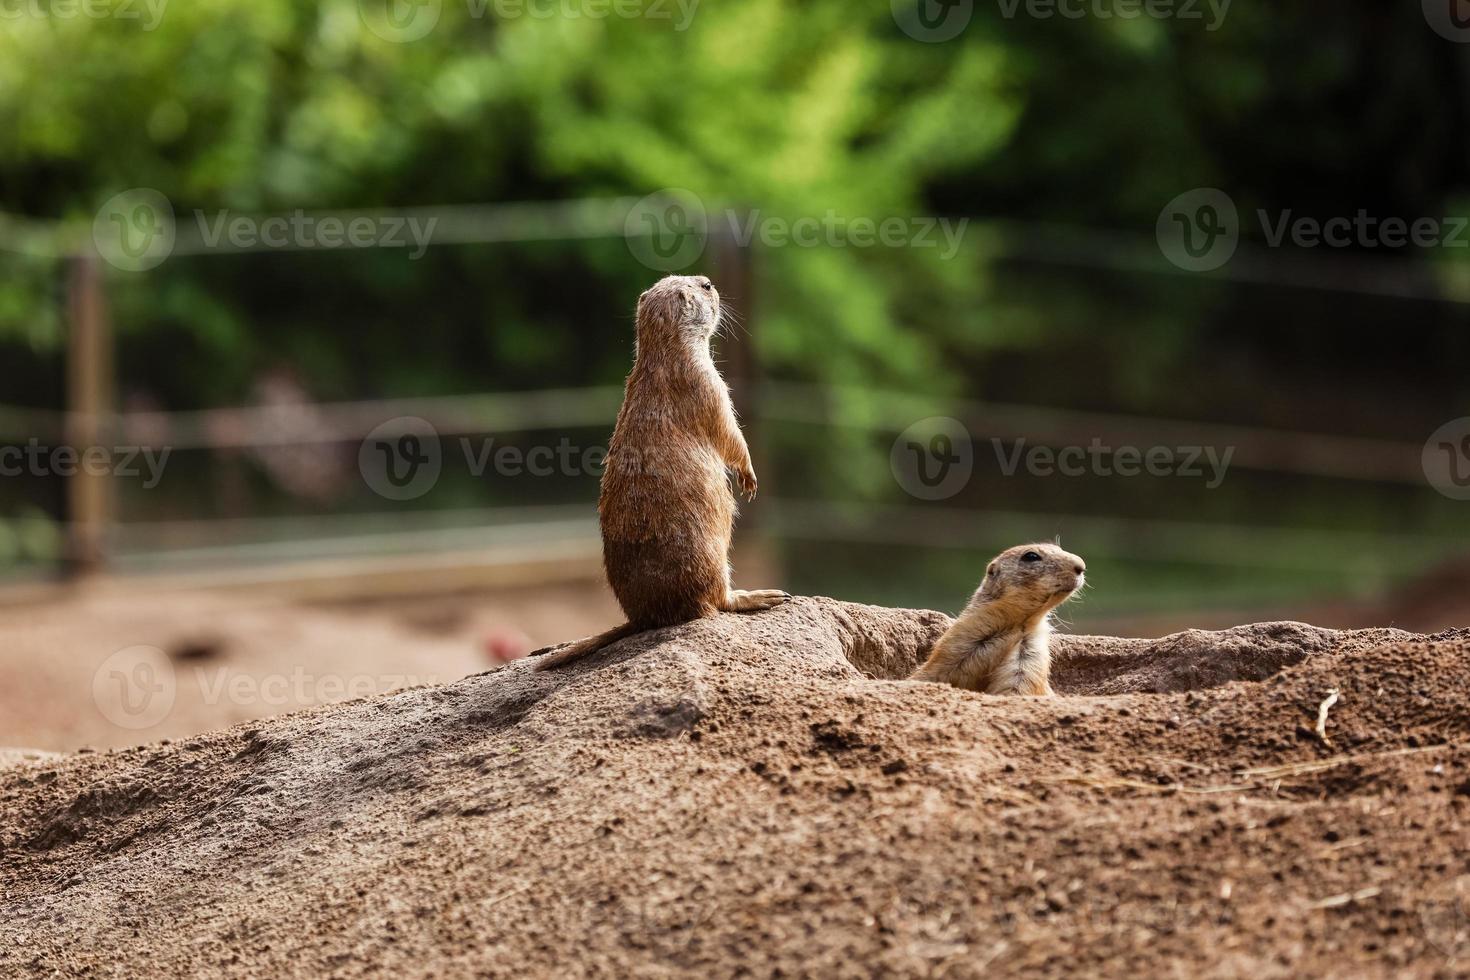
{"x": 999, "y": 644}
{"x": 666, "y": 507}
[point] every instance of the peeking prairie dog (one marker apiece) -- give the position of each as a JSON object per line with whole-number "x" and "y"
{"x": 666, "y": 508}
{"x": 999, "y": 644}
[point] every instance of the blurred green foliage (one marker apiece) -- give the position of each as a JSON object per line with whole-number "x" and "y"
{"x": 263, "y": 106}
{"x": 795, "y": 108}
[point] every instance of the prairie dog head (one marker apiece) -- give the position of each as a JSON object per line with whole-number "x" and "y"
{"x": 1032, "y": 579}
{"x": 678, "y": 309}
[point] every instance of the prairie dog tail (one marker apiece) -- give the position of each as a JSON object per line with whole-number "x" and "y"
{"x": 580, "y": 649}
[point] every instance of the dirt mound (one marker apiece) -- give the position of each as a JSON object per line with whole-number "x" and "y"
{"x": 753, "y": 793}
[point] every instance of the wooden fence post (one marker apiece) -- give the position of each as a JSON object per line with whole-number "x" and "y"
{"x": 88, "y": 497}
{"x": 734, "y": 276}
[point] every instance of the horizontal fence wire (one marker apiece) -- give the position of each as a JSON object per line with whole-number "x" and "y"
{"x": 1053, "y": 243}
{"x": 1356, "y": 458}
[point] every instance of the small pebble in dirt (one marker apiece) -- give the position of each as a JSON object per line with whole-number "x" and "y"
{"x": 197, "y": 648}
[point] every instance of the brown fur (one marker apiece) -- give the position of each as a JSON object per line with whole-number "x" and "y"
{"x": 666, "y": 507}
{"x": 999, "y": 643}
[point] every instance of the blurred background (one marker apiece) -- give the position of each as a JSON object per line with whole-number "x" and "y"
{"x": 339, "y": 296}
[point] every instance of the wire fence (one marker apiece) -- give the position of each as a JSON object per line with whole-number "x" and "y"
{"x": 1267, "y": 450}
{"x": 994, "y": 239}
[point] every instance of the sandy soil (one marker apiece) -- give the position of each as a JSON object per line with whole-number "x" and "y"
{"x": 756, "y": 795}
{"x": 75, "y": 665}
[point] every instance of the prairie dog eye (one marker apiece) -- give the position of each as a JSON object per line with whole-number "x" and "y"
{"x": 1031, "y": 556}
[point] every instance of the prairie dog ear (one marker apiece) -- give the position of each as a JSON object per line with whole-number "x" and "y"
{"x": 657, "y": 304}
{"x": 990, "y": 570}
